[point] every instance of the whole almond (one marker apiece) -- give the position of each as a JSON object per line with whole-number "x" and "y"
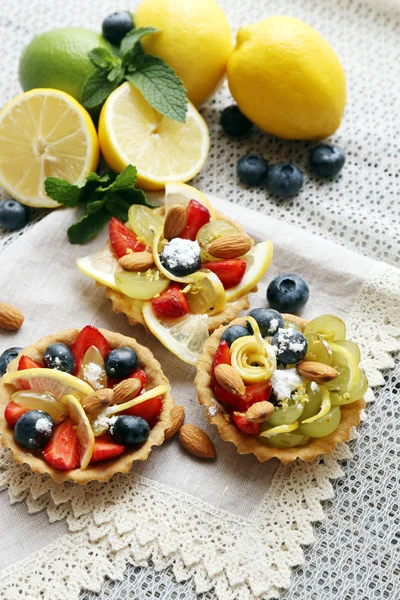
{"x": 175, "y": 221}
{"x": 137, "y": 261}
{"x": 230, "y": 246}
{"x": 177, "y": 418}
{"x": 94, "y": 403}
{"x": 316, "y": 371}
{"x": 258, "y": 412}
{"x": 229, "y": 379}
{"x": 126, "y": 390}
{"x": 10, "y": 317}
{"x": 299, "y": 321}
{"x": 196, "y": 441}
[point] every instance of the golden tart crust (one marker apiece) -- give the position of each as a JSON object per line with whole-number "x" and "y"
{"x": 246, "y": 444}
{"x": 101, "y": 471}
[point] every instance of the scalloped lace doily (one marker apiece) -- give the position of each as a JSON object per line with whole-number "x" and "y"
{"x": 134, "y": 519}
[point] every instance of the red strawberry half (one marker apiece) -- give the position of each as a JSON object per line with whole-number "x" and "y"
{"x": 62, "y": 452}
{"x": 123, "y": 239}
{"x": 149, "y": 410}
{"x": 246, "y": 426}
{"x": 105, "y": 448}
{"x": 13, "y": 412}
{"x": 198, "y": 215}
{"x": 25, "y": 362}
{"x": 221, "y": 356}
{"x": 257, "y": 392}
{"x": 229, "y": 272}
{"x": 88, "y": 336}
{"x": 172, "y": 303}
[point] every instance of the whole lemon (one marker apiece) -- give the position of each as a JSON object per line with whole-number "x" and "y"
{"x": 194, "y": 38}
{"x": 287, "y": 79}
{"x": 59, "y": 59}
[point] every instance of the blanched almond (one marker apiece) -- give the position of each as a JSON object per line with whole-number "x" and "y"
{"x": 177, "y": 418}
{"x": 229, "y": 379}
{"x": 230, "y": 246}
{"x": 196, "y": 441}
{"x": 98, "y": 401}
{"x": 10, "y": 317}
{"x": 315, "y": 371}
{"x": 126, "y": 390}
{"x": 137, "y": 261}
{"x": 175, "y": 221}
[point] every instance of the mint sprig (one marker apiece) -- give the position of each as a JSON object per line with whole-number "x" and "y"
{"x": 103, "y": 196}
{"x": 157, "y": 81}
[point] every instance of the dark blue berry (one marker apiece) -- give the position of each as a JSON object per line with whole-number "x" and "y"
{"x": 287, "y": 293}
{"x": 116, "y": 26}
{"x": 268, "y": 320}
{"x": 129, "y": 430}
{"x": 181, "y": 257}
{"x": 234, "y": 332}
{"x": 7, "y": 356}
{"x": 59, "y": 356}
{"x": 252, "y": 169}
{"x": 121, "y": 362}
{"x": 284, "y": 180}
{"x": 291, "y": 346}
{"x": 34, "y": 429}
{"x": 326, "y": 160}
{"x": 13, "y": 215}
{"x": 234, "y": 122}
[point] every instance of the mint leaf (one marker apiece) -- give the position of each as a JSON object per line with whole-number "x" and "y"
{"x": 102, "y": 57}
{"x": 118, "y": 208}
{"x": 95, "y": 178}
{"x": 160, "y": 85}
{"x": 116, "y": 73}
{"x": 125, "y": 180}
{"x": 133, "y": 37}
{"x": 97, "y": 87}
{"x": 90, "y": 224}
{"x": 94, "y": 206}
{"x": 134, "y": 196}
{"x": 62, "y": 191}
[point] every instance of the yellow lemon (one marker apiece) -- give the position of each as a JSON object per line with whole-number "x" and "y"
{"x": 287, "y": 79}
{"x": 194, "y": 38}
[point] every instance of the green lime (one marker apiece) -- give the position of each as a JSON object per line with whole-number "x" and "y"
{"x": 59, "y": 59}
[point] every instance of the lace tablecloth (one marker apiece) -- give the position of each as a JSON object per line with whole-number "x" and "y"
{"x": 356, "y": 550}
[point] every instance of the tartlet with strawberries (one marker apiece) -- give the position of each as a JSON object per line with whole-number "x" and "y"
{"x": 278, "y": 386}
{"x": 84, "y": 405}
{"x": 181, "y": 270}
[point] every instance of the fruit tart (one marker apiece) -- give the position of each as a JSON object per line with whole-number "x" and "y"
{"x": 180, "y": 270}
{"x": 278, "y": 386}
{"x": 84, "y": 405}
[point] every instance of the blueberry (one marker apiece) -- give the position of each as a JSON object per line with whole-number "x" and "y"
{"x": 121, "y": 362}
{"x": 291, "y": 345}
{"x": 268, "y": 320}
{"x": 181, "y": 257}
{"x": 7, "y": 356}
{"x": 234, "y": 122}
{"x": 284, "y": 180}
{"x": 34, "y": 429}
{"x": 326, "y": 160}
{"x": 129, "y": 430}
{"x": 234, "y": 332}
{"x": 287, "y": 293}
{"x": 116, "y": 26}
{"x": 252, "y": 169}
{"x": 13, "y": 215}
{"x": 59, "y": 356}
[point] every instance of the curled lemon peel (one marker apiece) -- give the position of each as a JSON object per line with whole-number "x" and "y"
{"x": 280, "y": 429}
{"x": 252, "y": 357}
{"x": 325, "y": 407}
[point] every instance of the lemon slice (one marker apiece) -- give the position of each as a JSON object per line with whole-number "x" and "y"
{"x": 41, "y": 401}
{"x": 83, "y": 429}
{"x": 258, "y": 261}
{"x": 207, "y": 296}
{"x": 181, "y": 193}
{"x": 343, "y": 358}
{"x": 163, "y": 150}
{"x": 44, "y": 133}
{"x": 100, "y": 266}
{"x": 325, "y": 406}
{"x": 56, "y": 383}
{"x": 279, "y": 429}
{"x": 184, "y": 337}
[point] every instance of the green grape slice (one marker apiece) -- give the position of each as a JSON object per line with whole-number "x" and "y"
{"x": 144, "y": 222}
{"x": 324, "y": 408}
{"x": 315, "y": 395}
{"x": 330, "y": 327}
{"x": 283, "y": 416}
{"x": 285, "y": 440}
{"x": 352, "y": 347}
{"x": 323, "y": 426}
{"x": 141, "y": 286}
{"x": 342, "y": 398}
{"x": 210, "y": 232}
{"x": 318, "y": 349}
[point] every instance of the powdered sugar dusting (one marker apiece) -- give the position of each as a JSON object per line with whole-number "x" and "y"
{"x": 286, "y": 343}
{"x": 43, "y": 425}
{"x": 93, "y": 374}
{"x": 181, "y": 252}
{"x": 212, "y": 411}
{"x": 284, "y": 382}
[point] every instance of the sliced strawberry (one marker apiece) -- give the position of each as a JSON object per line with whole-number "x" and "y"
{"x": 88, "y": 336}
{"x": 139, "y": 374}
{"x": 229, "y": 399}
{"x": 257, "y": 392}
{"x": 123, "y": 239}
{"x": 221, "y": 356}
{"x": 13, "y": 412}
{"x": 198, "y": 215}
{"x": 62, "y": 452}
{"x": 245, "y": 425}
{"x": 172, "y": 303}
{"x": 105, "y": 448}
{"x": 148, "y": 410}
{"x": 25, "y": 362}
{"x": 229, "y": 272}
